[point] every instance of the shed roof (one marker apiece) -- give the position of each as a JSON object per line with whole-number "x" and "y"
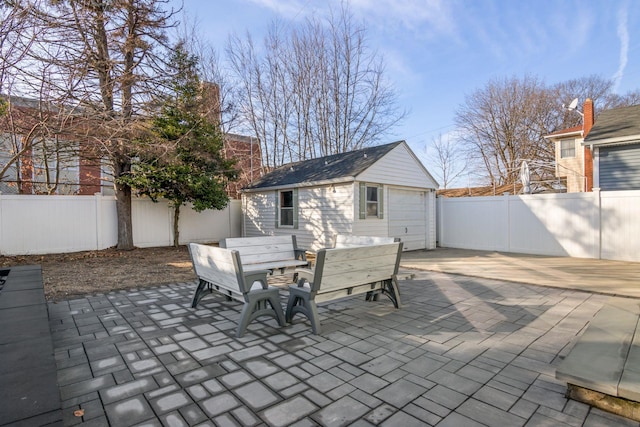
{"x": 324, "y": 169}
{"x": 616, "y": 126}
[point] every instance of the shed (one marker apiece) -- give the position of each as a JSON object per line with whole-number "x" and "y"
{"x": 376, "y": 191}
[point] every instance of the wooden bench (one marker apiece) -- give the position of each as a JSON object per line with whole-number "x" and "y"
{"x": 343, "y": 272}
{"x": 603, "y": 367}
{"x": 348, "y": 241}
{"x": 220, "y": 270}
{"x": 267, "y": 252}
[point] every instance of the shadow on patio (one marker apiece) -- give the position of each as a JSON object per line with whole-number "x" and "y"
{"x": 461, "y": 351}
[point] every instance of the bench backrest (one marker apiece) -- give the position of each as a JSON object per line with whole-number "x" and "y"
{"x": 347, "y": 241}
{"x": 257, "y": 250}
{"x": 347, "y": 267}
{"x": 218, "y": 266}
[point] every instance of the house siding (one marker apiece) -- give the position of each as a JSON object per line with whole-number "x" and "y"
{"x": 571, "y": 167}
{"x": 398, "y": 167}
{"x": 321, "y": 214}
{"x": 619, "y": 167}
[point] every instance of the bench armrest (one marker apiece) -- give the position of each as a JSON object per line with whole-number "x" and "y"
{"x": 304, "y": 275}
{"x": 256, "y": 276}
{"x": 301, "y": 254}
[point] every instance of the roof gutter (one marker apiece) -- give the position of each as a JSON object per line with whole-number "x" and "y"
{"x": 620, "y": 140}
{"x": 341, "y": 180}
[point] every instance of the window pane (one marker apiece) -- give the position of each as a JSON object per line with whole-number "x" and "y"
{"x": 567, "y": 148}
{"x": 286, "y": 199}
{"x": 286, "y": 216}
{"x": 372, "y": 209}
{"x": 372, "y": 194}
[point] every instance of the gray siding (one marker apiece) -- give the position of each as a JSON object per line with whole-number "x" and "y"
{"x": 619, "y": 167}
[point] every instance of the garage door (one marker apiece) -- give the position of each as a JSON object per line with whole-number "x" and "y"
{"x": 408, "y": 217}
{"x": 619, "y": 167}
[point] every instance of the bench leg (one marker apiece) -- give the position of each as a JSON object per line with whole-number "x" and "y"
{"x": 391, "y": 290}
{"x": 203, "y": 289}
{"x": 300, "y": 302}
{"x": 264, "y": 302}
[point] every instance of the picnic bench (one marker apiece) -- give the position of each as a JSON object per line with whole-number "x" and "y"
{"x": 347, "y": 241}
{"x": 221, "y": 270}
{"x": 343, "y": 272}
{"x": 267, "y": 252}
{"x": 603, "y": 367}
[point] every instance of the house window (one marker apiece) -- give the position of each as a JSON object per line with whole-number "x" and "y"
{"x": 567, "y": 148}
{"x": 370, "y": 200}
{"x": 287, "y": 210}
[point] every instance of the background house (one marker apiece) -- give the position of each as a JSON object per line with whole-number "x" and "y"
{"x": 378, "y": 191}
{"x": 573, "y": 160}
{"x": 53, "y": 152}
{"x": 615, "y": 141}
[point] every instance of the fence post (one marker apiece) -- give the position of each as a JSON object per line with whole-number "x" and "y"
{"x": 440, "y": 220}
{"x": 98, "y": 219}
{"x": 598, "y": 196}
{"x": 507, "y": 207}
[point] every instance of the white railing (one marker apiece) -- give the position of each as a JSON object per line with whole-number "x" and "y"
{"x": 58, "y": 224}
{"x": 599, "y": 224}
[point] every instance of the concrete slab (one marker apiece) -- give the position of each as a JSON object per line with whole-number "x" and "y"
{"x": 597, "y": 360}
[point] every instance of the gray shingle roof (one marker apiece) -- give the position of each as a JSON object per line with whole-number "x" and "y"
{"x": 616, "y": 123}
{"x": 325, "y": 168}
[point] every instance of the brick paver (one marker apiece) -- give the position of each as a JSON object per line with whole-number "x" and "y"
{"x": 461, "y": 351}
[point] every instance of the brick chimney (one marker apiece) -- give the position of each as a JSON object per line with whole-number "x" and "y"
{"x": 587, "y": 123}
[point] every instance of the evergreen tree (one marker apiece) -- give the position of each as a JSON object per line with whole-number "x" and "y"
{"x": 183, "y": 161}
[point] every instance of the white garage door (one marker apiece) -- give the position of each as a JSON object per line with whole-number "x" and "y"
{"x": 408, "y": 217}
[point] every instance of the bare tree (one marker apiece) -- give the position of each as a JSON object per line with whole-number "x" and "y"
{"x": 447, "y": 158}
{"x": 104, "y": 57}
{"x": 317, "y": 89}
{"x": 504, "y": 122}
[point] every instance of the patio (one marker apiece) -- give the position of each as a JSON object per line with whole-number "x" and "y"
{"x": 462, "y": 351}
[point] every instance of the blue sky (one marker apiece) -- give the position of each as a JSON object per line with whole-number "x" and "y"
{"x": 439, "y": 51}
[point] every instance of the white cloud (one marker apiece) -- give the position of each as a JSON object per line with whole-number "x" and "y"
{"x": 427, "y": 18}
{"x": 623, "y": 34}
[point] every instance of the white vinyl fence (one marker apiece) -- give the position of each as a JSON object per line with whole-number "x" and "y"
{"x": 600, "y": 224}
{"x": 58, "y": 224}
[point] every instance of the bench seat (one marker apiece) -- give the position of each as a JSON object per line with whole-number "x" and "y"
{"x": 281, "y": 265}
{"x": 267, "y": 252}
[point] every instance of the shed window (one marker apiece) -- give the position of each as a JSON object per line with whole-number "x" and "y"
{"x": 370, "y": 200}
{"x": 287, "y": 209}
{"x": 567, "y": 148}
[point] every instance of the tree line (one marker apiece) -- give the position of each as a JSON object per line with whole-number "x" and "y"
{"x": 502, "y": 124}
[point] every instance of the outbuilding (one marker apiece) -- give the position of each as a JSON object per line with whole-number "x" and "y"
{"x": 376, "y": 191}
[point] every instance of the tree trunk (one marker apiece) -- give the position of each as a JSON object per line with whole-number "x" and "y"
{"x": 123, "y": 209}
{"x": 176, "y": 231}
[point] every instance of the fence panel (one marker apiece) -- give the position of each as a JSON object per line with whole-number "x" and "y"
{"x": 586, "y": 225}
{"x": 473, "y": 223}
{"x": 553, "y": 224}
{"x": 57, "y": 224}
{"x": 620, "y": 225}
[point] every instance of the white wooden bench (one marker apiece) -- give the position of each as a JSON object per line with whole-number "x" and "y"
{"x": 343, "y": 272}
{"x": 220, "y": 270}
{"x": 267, "y": 252}
{"x": 347, "y": 241}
